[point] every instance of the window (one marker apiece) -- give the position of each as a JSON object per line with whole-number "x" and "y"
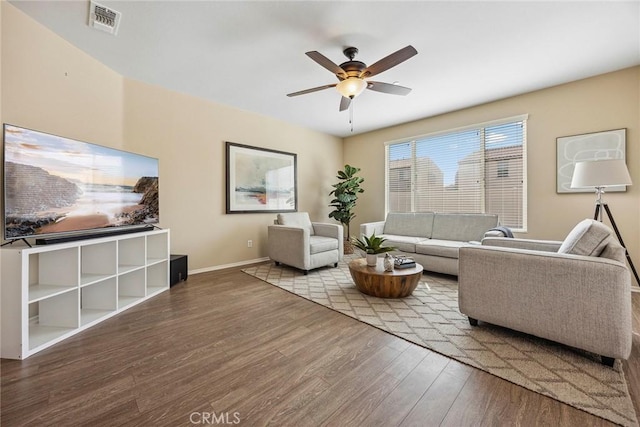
{"x": 477, "y": 169}
{"x": 503, "y": 169}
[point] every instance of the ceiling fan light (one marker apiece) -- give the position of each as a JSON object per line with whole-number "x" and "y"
{"x": 351, "y": 87}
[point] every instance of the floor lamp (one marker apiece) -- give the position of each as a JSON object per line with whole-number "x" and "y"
{"x": 599, "y": 174}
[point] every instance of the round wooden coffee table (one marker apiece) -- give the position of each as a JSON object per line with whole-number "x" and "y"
{"x": 374, "y": 281}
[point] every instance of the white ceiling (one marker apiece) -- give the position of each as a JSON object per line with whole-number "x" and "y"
{"x": 251, "y": 54}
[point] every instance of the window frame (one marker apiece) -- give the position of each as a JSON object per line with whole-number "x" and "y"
{"x": 476, "y": 126}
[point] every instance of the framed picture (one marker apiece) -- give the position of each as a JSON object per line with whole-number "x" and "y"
{"x": 589, "y": 146}
{"x": 260, "y": 180}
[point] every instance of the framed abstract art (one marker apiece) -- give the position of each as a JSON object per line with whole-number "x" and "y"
{"x": 589, "y": 146}
{"x": 260, "y": 180}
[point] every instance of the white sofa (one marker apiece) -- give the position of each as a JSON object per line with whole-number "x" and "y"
{"x": 432, "y": 239}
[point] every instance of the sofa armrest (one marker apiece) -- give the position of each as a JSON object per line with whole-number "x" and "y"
{"x": 580, "y": 301}
{"x": 331, "y": 230}
{"x": 534, "y": 245}
{"x": 328, "y": 230}
{"x": 368, "y": 228}
{"x": 289, "y": 245}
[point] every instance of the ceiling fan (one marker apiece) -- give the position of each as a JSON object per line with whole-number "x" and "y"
{"x": 352, "y": 74}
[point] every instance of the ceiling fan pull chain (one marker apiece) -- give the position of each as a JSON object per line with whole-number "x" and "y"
{"x": 351, "y": 115}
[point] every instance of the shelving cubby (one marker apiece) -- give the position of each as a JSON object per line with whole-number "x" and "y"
{"x": 98, "y": 262}
{"x": 52, "y": 273}
{"x": 52, "y": 292}
{"x": 131, "y": 288}
{"x": 131, "y": 254}
{"x": 56, "y": 316}
{"x": 157, "y": 248}
{"x": 157, "y": 277}
{"x": 98, "y": 300}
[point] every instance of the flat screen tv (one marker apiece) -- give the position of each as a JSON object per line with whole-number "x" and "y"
{"x": 55, "y": 185}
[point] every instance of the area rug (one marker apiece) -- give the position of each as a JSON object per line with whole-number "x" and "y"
{"x": 430, "y": 318}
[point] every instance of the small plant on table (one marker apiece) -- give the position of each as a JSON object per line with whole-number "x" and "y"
{"x": 372, "y": 246}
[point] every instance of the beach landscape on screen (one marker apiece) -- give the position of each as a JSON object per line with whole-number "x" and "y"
{"x": 54, "y": 184}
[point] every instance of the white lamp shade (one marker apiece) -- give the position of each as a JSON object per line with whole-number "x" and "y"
{"x": 351, "y": 87}
{"x": 600, "y": 173}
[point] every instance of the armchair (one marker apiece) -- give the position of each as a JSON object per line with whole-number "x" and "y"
{"x": 297, "y": 242}
{"x": 576, "y": 292}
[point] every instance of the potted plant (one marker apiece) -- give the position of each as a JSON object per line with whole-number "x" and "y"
{"x": 372, "y": 246}
{"x": 345, "y": 194}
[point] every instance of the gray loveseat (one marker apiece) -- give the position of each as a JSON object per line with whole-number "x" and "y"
{"x": 576, "y": 292}
{"x": 432, "y": 239}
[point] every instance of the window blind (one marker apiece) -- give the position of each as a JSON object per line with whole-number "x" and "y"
{"x": 474, "y": 170}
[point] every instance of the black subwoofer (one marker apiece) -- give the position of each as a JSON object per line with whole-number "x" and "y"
{"x": 178, "y": 269}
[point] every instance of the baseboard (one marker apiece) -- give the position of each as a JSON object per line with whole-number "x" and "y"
{"x": 223, "y": 266}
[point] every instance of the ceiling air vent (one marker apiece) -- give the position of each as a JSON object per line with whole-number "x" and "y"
{"x": 104, "y": 19}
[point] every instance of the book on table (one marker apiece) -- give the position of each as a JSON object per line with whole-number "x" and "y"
{"x": 406, "y": 265}
{"x": 404, "y": 262}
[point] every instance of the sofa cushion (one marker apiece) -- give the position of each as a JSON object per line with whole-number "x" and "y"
{"x": 589, "y": 238}
{"x": 441, "y": 248}
{"x": 319, "y": 244}
{"x": 417, "y": 224}
{"x": 296, "y": 219}
{"x": 402, "y": 243}
{"x": 462, "y": 227}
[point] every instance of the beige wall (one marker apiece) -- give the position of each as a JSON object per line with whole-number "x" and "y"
{"x": 51, "y": 86}
{"x": 605, "y": 102}
{"x": 188, "y": 136}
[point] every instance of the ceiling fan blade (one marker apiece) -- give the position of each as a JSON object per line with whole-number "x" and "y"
{"x": 389, "y": 61}
{"x": 388, "y": 88}
{"x": 344, "y": 103}
{"x": 313, "y": 89}
{"x": 327, "y": 63}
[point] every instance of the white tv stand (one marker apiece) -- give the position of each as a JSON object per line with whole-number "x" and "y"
{"x": 52, "y": 292}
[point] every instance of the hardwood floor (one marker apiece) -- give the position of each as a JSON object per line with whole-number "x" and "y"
{"x": 225, "y": 347}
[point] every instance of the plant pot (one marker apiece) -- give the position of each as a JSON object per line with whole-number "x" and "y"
{"x": 372, "y": 260}
{"x": 348, "y": 247}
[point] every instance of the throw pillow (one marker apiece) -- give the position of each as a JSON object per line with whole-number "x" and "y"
{"x": 589, "y": 237}
{"x": 297, "y": 219}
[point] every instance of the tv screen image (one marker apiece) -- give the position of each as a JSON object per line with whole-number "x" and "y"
{"x": 59, "y": 185}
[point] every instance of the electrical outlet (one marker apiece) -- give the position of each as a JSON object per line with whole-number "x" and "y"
{"x": 249, "y": 243}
